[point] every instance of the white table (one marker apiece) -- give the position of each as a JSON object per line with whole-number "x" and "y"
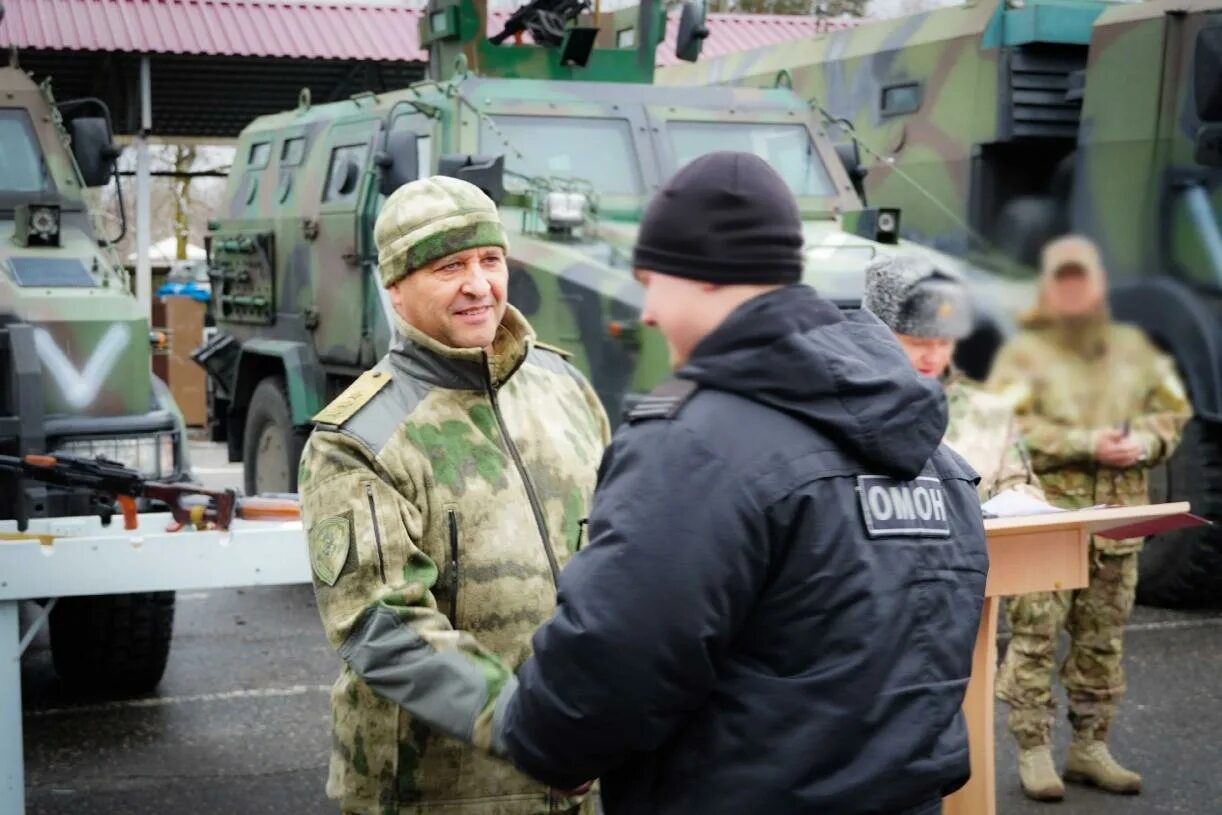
{"x": 79, "y": 556}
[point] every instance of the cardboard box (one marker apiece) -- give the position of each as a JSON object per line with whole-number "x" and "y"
{"x": 184, "y": 319}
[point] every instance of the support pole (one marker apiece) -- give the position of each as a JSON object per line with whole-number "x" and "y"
{"x": 144, "y": 272}
{"x": 12, "y": 769}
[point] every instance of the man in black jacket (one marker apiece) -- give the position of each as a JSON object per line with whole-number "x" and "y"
{"x": 776, "y": 609}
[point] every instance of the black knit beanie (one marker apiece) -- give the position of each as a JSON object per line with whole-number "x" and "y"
{"x": 726, "y": 217}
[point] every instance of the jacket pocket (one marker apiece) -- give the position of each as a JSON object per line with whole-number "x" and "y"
{"x": 453, "y": 566}
{"x": 377, "y": 529}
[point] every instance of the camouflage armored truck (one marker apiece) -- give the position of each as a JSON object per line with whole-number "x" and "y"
{"x": 572, "y": 159}
{"x": 996, "y": 126}
{"x": 75, "y": 367}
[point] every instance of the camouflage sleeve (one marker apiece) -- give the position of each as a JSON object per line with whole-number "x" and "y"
{"x": 1166, "y": 411}
{"x": 373, "y": 586}
{"x": 1016, "y": 472}
{"x": 597, "y": 411}
{"x": 1050, "y": 444}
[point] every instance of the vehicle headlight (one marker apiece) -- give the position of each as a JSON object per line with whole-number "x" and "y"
{"x": 152, "y": 456}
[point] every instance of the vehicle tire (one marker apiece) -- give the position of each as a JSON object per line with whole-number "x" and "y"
{"x": 271, "y": 446}
{"x": 1025, "y": 224}
{"x": 1184, "y": 568}
{"x": 116, "y": 644}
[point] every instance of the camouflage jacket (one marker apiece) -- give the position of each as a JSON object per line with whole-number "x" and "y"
{"x": 981, "y": 427}
{"x": 441, "y": 493}
{"x": 1067, "y": 394}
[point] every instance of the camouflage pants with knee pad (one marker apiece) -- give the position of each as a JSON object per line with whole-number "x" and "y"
{"x": 1094, "y": 617}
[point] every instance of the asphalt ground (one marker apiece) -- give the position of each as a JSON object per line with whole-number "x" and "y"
{"x": 239, "y": 724}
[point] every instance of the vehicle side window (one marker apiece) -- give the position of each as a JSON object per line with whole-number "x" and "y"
{"x": 260, "y": 152}
{"x": 900, "y": 98}
{"x": 422, "y": 126}
{"x": 21, "y": 164}
{"x": 292, "y": 151}
{"x": 344, "y": 172}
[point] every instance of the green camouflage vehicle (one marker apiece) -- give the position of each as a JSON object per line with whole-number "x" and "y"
{"x": 996, "y": 126}
{"x": 572, "y": 159}
{"x": 75, "y": 367}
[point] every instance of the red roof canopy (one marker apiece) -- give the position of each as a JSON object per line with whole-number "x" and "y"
{"x": 202, "y": 51}
{"x": 301, "y": 30}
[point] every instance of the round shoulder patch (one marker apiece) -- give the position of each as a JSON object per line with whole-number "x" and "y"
{"x": 329, "y": 542}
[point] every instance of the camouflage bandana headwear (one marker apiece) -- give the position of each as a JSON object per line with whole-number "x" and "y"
{"x": 430, "y": 218}
{"x": 912, "y": 296}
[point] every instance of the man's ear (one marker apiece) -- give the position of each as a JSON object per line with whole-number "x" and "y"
{"x": 396, "y": 296}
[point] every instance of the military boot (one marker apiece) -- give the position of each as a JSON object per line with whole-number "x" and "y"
{"x": 1038, "y": 775}
{"x": 1090, "y": 762}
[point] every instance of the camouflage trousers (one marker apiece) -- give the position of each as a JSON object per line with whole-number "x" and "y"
{"x": 1094, "y": 618}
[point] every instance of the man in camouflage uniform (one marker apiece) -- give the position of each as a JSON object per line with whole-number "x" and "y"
{"x": 442, "y": 493}
{"x": 1098, "y": 405}
{"x": 929, "y": 311}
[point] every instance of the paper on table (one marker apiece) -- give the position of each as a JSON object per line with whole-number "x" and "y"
{"x": 1012, "y": 503}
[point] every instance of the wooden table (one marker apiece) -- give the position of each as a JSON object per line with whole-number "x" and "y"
{"x": 1032, "y": 553}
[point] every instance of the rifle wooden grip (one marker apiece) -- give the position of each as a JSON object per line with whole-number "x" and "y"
{"x": 128, "y": 504}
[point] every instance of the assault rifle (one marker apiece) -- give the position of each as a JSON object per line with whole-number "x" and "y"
{"x": 111, "y": 482}
{"x": 544, "y": 19}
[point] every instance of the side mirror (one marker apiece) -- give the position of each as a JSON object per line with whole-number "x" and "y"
{"x": 692, "y": 31}
{"x": 1209, "y": 145}
{"x": 485, "y": 172}
{"x": 92, "y": 147}
{"x": 850, "y": 157}
{"x": 400, "y": 161}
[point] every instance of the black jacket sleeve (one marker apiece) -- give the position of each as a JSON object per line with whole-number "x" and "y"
{"x": 678, "y": 553}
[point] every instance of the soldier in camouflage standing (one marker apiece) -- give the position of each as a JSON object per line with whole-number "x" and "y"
{"x": 1098, "y": 405}
{"x": 929, "y": 311}
{"x": 442, "y": 492}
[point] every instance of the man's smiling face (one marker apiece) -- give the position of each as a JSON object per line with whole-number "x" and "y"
{"x": 458, "y": 300}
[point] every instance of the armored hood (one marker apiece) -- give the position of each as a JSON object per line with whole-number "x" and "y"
{"x": 842, "y": 373}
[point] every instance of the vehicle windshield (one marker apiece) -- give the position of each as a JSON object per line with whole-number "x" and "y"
{"x": 599, "y": 151}
{"x": 20, "y": 163}
{"x": 787, "y": 147}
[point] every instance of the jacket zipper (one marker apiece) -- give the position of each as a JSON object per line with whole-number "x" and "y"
{"x": 453, "y": 519}
{"x": 531, "y": 495}
{"x": 377, "y": 532}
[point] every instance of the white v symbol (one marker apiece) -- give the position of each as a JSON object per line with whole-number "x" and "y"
{"x": 80, "y": 388}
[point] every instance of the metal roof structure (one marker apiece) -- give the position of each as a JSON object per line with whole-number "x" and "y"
{"x": 217, "y": 64}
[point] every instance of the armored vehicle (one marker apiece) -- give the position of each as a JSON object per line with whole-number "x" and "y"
{"x": 996, "y": 126}
{"x": 572, "y": 159}
{"x": 75, "y": 367}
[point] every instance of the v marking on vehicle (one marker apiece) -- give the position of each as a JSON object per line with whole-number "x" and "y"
{"x": 81, "y": 388}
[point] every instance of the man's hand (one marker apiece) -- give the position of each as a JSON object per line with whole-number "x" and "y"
{"x": 1117, "y": 448}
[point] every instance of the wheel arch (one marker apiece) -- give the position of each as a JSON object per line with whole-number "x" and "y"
{"x": 303, "y": 379}
{"x": 1179, "y": 321}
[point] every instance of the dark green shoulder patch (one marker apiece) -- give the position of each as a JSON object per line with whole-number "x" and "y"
{"x": 663, "y": 402}
{"x": 353, "y": 398}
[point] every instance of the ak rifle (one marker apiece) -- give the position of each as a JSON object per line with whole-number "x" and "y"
{"x": 110, "y": 482}
{"x": 544, "y": 19}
